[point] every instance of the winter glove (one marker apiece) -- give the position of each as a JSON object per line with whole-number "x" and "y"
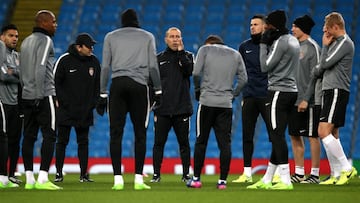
{"x": 101, "y": 104}
{"x": 157, "y": 100}
{"x": 269, "y": 36}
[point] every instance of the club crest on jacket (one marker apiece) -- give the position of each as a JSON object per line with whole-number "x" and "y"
{"x": 91, "y": 71}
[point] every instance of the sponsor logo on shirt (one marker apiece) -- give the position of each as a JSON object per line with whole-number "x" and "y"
{"x": 162, "y": 62}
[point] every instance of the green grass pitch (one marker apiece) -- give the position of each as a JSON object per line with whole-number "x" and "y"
{"x": 172, "y": 190}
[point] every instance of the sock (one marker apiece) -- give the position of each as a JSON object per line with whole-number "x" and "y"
{"x": 4, "y": 179}
{"x": 299, "y": 170}
{"x": 348, "y": 165}
{"x": 43, "y": 177}
{"x": 315, "y": 172}
{"x": 247, "y": 171}
{"x": 221, "y": 181}
{"x": 337, "y": 151}
{"x": 284, "y": 171}
{"x": 118, "y": 179}
{"x": 269, "y": 173}
{"x": 331, "y": 161}
{"x": 277, "y": 173}
{"x": 139, "y": 179}
{"x": 30, "y": 179}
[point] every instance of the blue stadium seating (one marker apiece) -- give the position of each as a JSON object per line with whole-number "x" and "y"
{"x": 4, "y": 7}
{"x": 198, "y": 18}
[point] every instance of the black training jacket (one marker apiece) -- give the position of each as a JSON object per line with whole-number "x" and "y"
{"x": 175, "y": 70}
{"x": 77, "y": 84}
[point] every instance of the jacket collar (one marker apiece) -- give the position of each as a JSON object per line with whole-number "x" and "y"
{"x": 42, "y": 30}
{"x": 170, "y": 50}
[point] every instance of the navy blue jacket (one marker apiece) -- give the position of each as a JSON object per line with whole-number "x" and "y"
{"x": 257, "y": 80}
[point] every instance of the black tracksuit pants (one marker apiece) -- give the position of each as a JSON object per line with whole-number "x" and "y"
{"x": 279, "y": 106}
{"x": 3, "y": 142}
{"x": 163, "y": 124}
{"x": 13, "y": 131}
{"x": 220, "y": 119}
{"x": 39, "y": 114}
{"x": 126, "y": 95}
{"x": 82, "y": 137}
{"x": 251, "y": 108}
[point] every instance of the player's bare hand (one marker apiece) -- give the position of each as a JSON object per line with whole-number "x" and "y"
{"x": 181, "y": 45}
{"x": 303, "y": 106}
{"x": 327, "y": 38}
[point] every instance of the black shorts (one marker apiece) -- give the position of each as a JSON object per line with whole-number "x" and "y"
{"x": 305, "y": 123}
{"x": 334, "y": 107}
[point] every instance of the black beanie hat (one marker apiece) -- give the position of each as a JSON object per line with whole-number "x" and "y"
{"x": 305, "y": 23}
{"x": 277, "y": 19}
{"x": 129, "y": 18}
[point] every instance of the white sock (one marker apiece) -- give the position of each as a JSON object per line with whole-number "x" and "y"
{"x": 30, "y": 179}
{"x": 300, "y": 170}
{"x": 4, "y": 179}
{"x": 277, "y": 172}
{"x": 247, "y": 171}
{"x": 269, "y": 173}
{"x": 315, "y": 171}
{"x": 337, "y": 151}
{"x": 331, "y": 160}
{"x": 284, "y": 171}
{"x": 221, "y": 181}
{"x": 349, "y": 165}
{"x": 118, "y": 179}
{"x": 139, "y": 178}
{"x": 43, "y": 177}
{"x": 337, "y": 166}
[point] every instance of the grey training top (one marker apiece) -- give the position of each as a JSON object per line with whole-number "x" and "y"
{"x": 281, "y": 63}
{"x": 130, "y": 52}
{"x": 309, "y": 58}
{"x": 9, "y": 83}
{"x": 216, "y": 69}
{"x": 337, "y": 60}
{"x": 36, "y": 66}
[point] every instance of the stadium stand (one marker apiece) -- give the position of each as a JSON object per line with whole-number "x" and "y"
{"x": 196, "y": 19}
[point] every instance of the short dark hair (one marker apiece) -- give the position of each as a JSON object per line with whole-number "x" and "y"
{"x": 214, "y": 39}
{"x": 259, "y": 16}
{"x": 8, "y": 27}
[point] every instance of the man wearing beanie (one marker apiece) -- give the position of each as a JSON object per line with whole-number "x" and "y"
{"x": 279, "y": 57}
{"x": 130, "y": 54}
{"x": 254, "y": 93}
{"x": 306, "y": 112}
{"x": 275, "y": 27}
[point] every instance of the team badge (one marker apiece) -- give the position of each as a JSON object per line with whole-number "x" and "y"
{"x": 91, "y": 71}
